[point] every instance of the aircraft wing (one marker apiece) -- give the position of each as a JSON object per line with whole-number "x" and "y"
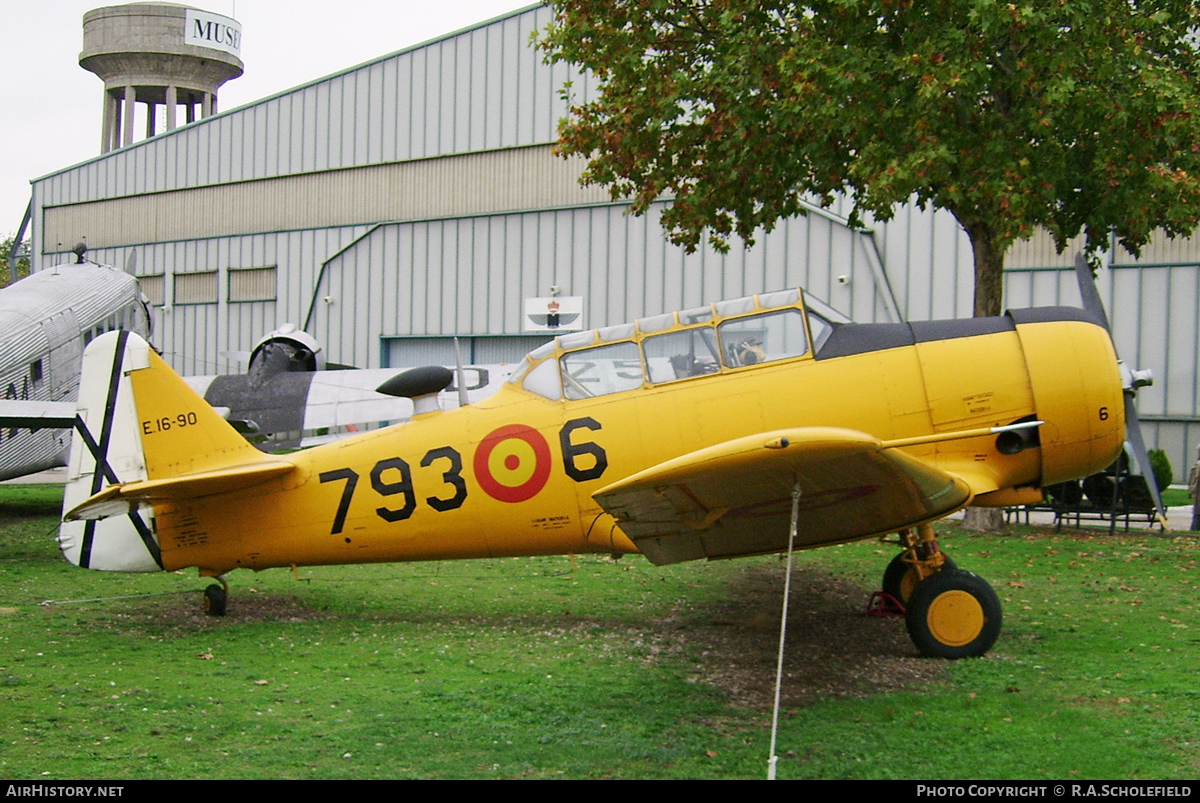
{"x": 18, "y": 414}
{"x": 735, "y": 498}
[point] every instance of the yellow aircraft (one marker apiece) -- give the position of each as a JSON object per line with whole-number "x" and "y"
{"x": 679, "y": 436}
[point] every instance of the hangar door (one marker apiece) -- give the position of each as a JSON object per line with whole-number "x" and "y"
{"x": 410, "y": 352}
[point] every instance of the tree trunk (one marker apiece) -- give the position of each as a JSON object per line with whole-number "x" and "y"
{"x": 984, "y": 519}
{"x": 989, "y": 270}
{"x": 989, "y": 300}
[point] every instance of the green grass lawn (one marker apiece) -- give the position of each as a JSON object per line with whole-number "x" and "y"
{"x": 1175, "y": 497}
{"x": 545, "y": 668}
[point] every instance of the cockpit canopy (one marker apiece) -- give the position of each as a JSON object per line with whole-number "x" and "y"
{"x": 725, "y": 336}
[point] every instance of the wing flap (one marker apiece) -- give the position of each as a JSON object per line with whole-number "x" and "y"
{"x": 735, "y": 498}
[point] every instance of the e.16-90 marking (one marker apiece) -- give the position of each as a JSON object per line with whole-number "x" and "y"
{"x": 168, "y": 422}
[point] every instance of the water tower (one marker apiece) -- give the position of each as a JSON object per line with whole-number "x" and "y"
{"x": 159, "y": 54}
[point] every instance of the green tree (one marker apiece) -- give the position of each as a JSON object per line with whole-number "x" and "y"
{"x": 6, "y": 272}
{"x": 1070, "y": 115}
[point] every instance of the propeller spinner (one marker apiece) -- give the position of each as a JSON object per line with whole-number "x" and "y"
{"x": 1131, "y": 380}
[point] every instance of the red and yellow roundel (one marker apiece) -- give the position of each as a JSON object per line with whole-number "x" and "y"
{"x": 512, "y": 463}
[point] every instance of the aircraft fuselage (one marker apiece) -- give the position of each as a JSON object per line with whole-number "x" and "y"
{"x": 46, "y": 320}
{"x": 516, "y": 473}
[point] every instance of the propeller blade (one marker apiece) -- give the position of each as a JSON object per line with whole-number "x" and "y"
{"x": 1088, "y": 291}
{"x": 1133, "y": 432}
{"x": 1131, "y": 379}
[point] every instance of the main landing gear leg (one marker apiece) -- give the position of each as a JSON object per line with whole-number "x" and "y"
{"x": 215, "y": 597}
{"x": 921, "y": 559}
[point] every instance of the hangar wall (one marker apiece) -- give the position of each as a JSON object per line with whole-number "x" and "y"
{"x": 414, "y": 197}
{"x": 469, "y": 275}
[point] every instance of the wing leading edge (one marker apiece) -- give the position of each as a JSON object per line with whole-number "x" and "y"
{"x": 735, "y": 498}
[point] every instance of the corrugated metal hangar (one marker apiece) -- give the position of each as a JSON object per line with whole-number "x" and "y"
{"x": 415, "y": 197}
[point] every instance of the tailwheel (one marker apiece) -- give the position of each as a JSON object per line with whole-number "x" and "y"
{"x": 215, "y": 597}
{"x": 901, "y": 577}
{"x": 954, "y": 614}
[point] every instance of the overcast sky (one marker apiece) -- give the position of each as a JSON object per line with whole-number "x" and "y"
{"x": 51, "y": 105}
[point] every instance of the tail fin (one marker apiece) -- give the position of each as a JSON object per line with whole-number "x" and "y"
{"x": 180, "y": 433}
{"x": 142, "y": 434}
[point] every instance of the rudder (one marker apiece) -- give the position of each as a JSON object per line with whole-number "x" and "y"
{"x": 106, "y": 449}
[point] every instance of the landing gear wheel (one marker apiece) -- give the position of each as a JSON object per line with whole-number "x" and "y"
{"x": 214, "y": 600}
{"x": 900, "y": 578}
{"x": 954, "y": 614}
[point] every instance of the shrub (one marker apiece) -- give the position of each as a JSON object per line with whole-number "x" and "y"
{"x": 1160, "y": 464}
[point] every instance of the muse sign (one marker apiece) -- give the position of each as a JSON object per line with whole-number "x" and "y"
{"x": 204, "y": 29}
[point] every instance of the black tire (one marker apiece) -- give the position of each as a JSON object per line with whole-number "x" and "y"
{"x": 954, "y": 614}
{"x": 900, "y": 578}
{"x": 214, "y": 601}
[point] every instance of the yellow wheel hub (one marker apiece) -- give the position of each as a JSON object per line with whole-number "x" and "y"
{"x": 955, "y": 618}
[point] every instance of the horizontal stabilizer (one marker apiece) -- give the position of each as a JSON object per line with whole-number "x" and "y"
{"x": 124, "y": 498}
{"x": 735, "y": 498}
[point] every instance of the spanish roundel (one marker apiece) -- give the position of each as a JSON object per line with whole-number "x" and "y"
{"x": 512, "y": 463}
